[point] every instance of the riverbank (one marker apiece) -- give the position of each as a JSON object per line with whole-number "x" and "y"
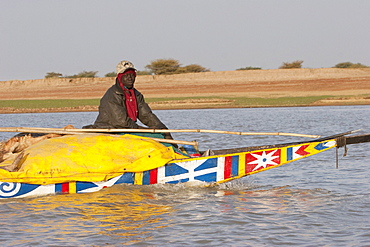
{"x": 222, "y": 89}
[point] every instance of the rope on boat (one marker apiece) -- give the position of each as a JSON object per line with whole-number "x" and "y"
{"x": 341, "y": 142}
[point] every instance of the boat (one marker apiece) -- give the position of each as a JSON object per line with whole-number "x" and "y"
{"x": 163, "y": 164}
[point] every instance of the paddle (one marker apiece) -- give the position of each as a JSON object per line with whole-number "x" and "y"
{"x": 79, "y": 131}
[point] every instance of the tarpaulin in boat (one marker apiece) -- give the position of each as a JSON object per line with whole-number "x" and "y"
{"x": 88, "y": 157}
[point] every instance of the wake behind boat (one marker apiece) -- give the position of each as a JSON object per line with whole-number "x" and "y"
{"x": 80, "y": 162}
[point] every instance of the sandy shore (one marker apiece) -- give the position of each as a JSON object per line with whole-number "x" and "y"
{"x": 350, "y": 86}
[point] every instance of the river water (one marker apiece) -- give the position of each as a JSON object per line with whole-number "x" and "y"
{"x": 305, "y": 203}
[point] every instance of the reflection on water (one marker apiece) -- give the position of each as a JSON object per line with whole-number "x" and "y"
{"x": 121, "y": 212}
{"x": 179, "y": 214}
{"x": 308, "y": 202}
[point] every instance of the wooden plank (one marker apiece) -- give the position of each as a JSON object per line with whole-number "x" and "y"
{"x": 79, "y": 131}
{"x": 349, "y": 140}
{"x": 357, "y": 139}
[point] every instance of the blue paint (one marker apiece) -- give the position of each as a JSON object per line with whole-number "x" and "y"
{"x": 80, "y": 186}
{"x": 235, "y": 166}
{"x": 146, "y": 177}
{"x": 209, "y": 163}
{"x": 25, "y": 188}
{"x": 210, "y": 177}
{"x": 174, "y": 169}
{"x": 289, "y": 155}
{"x": 321, "y": 146}
{"x": 126, "y": 178}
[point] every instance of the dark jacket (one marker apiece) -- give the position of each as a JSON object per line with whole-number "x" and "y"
{"x": 112, "y": 112}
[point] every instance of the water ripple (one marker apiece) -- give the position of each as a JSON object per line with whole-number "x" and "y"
{"x": 306, "y": 203}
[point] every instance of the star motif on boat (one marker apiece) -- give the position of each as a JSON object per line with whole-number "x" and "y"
{"x": 265, "y": 159}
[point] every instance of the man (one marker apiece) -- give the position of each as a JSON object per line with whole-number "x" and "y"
{"x": 122, "y": 105}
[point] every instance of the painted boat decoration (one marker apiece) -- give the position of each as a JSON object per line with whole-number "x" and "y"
{"x": 222, "y": 166}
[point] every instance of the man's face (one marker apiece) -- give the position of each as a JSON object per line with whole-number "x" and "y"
{"x": 128, "y": 80}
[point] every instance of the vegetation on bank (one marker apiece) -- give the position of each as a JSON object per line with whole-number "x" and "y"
{"x": 173, "y": 66}
{"x": 242, "y": 101}
{"x": 349, "y": 65}
{"x": 83, "y": 74}
{"x": 156, "y": 67}
{"x": 48, "y": 103}
{"x": 171, "y": 103}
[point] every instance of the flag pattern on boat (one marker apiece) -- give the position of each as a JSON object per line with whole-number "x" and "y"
{"x": 263, "y": 159}
{"x": 212, "y": 169}
{"x": 223, "y": 168}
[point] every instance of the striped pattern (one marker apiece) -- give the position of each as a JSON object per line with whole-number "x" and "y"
{"x": 213, "y": 169}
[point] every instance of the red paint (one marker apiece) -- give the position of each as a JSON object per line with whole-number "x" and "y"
{"x": 301, "y": 150}
{"x": 227, "y": 170}
{"x": 251, "y": 160}
{"x": 65, "y": 187}
{"x": 194, "y": 155}
{"x": 154, "y": 176}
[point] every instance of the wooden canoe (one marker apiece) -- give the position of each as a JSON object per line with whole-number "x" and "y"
{"x": 221, "y": 166}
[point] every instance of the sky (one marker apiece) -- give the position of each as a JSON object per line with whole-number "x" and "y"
{"x": 71, "y": 36}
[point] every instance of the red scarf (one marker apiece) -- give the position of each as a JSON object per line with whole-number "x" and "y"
{"x": 130, "y": 97}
